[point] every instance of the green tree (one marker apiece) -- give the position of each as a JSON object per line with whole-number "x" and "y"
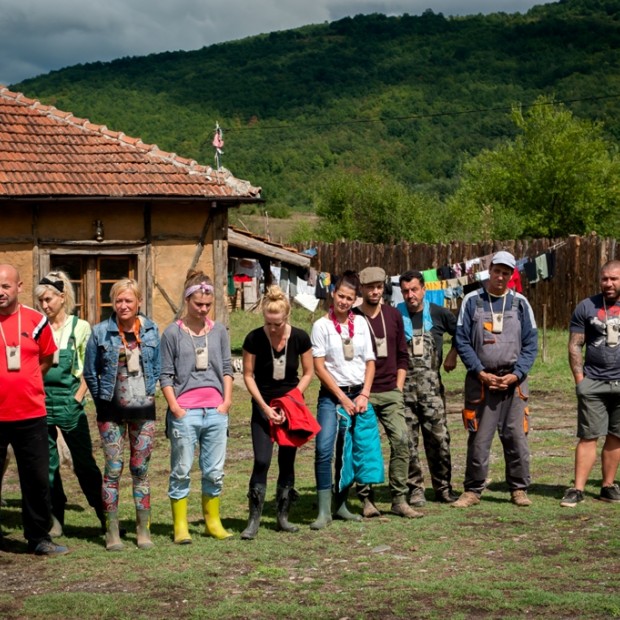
{"x": 373, "y": 207}
{"x": 559, "y": 176}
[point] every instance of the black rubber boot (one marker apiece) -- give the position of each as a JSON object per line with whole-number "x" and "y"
{"x": 285, "y": 496}
{"x": 256, "y": 497}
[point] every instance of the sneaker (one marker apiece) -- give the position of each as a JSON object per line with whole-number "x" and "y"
{"x": 403, "y": 509}
{"x": 369, "y": 510}
{"x": 417, "y": 499}
{"x": 48, "y": 548}
{"x": 520, "y": 498}
{"x": 467, "y": 499}
{"x": 448, "y": 496}
{"x": 572, "y": 497}
{"x": 610, "y": 494}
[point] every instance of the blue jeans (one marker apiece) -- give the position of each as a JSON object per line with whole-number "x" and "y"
{"x": 328, "y": 436}
{"x": 209, "y": 429}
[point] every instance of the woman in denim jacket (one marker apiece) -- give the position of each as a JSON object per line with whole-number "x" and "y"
{"x": 121, "y": 369}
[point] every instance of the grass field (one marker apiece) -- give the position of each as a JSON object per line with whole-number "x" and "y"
{"x": 491, "y": 561}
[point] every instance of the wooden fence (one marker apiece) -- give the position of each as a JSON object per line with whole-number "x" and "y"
{"x": 578, "y": 262}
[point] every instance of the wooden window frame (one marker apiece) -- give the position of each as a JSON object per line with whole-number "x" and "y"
{"x": 91, "y": 279}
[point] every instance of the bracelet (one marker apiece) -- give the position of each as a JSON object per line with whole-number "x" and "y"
{"x": 364, "y": 395}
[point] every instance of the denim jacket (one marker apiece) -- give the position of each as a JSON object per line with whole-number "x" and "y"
{"x": 102, "y": 351}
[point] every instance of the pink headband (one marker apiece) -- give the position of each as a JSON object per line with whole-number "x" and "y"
{"x": 207, "y": 289}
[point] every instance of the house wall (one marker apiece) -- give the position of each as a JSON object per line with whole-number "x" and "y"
{"x": 166, "y": 237}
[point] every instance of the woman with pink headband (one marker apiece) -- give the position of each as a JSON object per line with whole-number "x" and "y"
{"x": 196, "y": 380}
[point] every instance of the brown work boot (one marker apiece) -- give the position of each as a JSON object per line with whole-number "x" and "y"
{"x": 403, "y": 509}
{"x": 370, "y": 510}
{"x": 520, "y": 498}
{"x": 417, "y": 499}
{"x": 466, "y": 500}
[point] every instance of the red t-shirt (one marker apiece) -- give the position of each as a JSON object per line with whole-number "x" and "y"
{"x": 22, "y": 395}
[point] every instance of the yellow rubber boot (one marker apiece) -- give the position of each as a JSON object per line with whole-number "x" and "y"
{"x": 179, "y": 520}
{"x": 211, "y": 511}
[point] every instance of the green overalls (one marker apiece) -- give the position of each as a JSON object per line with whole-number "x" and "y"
{"x": 67, "y": 414}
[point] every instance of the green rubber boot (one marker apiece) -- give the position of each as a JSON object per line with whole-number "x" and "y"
{"x": 143, "y": 529}
{"x": 112, "y": 535}
{"x": 342, "y": 510}
{"x": 325, "y": 510}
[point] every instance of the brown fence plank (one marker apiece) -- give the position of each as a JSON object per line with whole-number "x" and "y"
{"x": 577, "y": 264}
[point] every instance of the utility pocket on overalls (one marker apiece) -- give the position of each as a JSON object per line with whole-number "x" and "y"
{"x": 469, "y": 420}
{"x": 524, "y": 395}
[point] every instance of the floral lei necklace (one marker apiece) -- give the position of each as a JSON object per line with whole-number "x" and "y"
{"x": 350, "y": 321}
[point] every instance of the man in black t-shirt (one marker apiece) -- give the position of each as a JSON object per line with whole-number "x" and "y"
{"x": 596, "y": 324}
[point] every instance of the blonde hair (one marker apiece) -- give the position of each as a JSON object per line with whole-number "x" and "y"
{"x": 128, "y": 284}
{"x": 275, "y": 301}
{"x": 54, "y": 286}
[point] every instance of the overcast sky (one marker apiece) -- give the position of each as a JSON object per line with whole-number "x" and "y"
{"x": 38, "y": 36}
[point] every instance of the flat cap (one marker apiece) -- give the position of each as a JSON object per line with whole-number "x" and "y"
{"x": 372, "y": 274}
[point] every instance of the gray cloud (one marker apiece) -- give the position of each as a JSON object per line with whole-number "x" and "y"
{"x": 37, "y": 36}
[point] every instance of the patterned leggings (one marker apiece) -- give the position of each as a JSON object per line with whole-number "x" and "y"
{"x": 141, "y": 435}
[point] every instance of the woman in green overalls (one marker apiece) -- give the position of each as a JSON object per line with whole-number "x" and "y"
{"x": 65, "y": 390}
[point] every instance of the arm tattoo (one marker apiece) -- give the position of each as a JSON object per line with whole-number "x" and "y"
{"x": 575, "y": 358}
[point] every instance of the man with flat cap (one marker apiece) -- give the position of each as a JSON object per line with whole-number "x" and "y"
{"x": 497, "y": 339}
{"x": 386, "y": 395}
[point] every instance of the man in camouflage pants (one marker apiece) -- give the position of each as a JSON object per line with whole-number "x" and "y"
{"x": 425, "y": 411}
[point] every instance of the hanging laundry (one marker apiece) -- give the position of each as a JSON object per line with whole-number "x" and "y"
{"x": 515, "y": 281}
{"x": 434, "y": 292}
{"x": 292, "y": 289}
{"x": 396, "y": 297}
{"x": 430, "y": 275}
{"x": 445, "y": 272}
{"x": 231, "y": 290}
{"x": 312, "y": 275}
{"x": 485, "y": 261}
{"x": 530, "y": 271}
{"x": 284, "y": 279}
{"x": 275, "y": 272}
{"x": 541, "y": 267}
{"x": 550, "y": 263}
{"x": 472, "y": 286}
{"x": 470, "y": 265}
{"x": 307, "y": 301}
{"x": 242, "y": 278}
{"x": 248, "y": 267}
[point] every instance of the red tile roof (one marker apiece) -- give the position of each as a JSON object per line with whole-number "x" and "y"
{"x": 46, "y": 152}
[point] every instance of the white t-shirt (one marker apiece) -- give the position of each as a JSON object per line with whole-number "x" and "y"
{"x": 328, "y": 343}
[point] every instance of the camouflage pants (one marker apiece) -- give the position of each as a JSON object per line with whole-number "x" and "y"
{"x": 425, "y": 412}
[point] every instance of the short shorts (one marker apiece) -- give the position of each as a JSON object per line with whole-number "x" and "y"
{"x": 598, "y": 408}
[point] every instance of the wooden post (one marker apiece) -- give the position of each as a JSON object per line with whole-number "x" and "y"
{"x": 220, "y": 260}
{"x": 544, "y": 338}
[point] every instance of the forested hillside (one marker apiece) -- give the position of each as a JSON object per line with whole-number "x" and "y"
{"x": 410, "y": 98}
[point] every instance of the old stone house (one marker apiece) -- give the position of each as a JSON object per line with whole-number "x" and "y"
{"x": 102, "y": 205}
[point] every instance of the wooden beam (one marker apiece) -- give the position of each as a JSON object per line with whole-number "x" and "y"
{"x": 220, "y": 262}
{"x": 243, "y": 242}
